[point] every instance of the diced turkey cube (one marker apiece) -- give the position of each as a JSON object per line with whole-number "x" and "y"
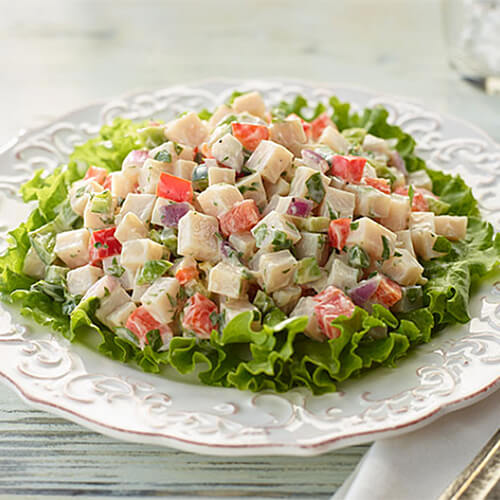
{"x": 376, "y": 145}
{"x": 72, "y": 247}
{"x": 130, "y": 228}
{"x": 220, "y": 175}
{"x": 252, "y": 188}
{"x": 219, "y": 198}
{"x": 289, "y": 133}
{"x": 220, "y": 113}
{"x": 277, "y": 270}
{"x": 79, "y": 194}
{"x": 298, "y": 186}
{"x": 423, "y": 234}
{"x": 149, "y": 175}
{"x": 188, "y": 129}
{"x": 136, "y": 253}
{"x": 399, "y": 213}
{"x": 337, "y": 204}
{"x": 270, "y": 160}
{"x": 272, "y": 229}
{"x": 79, "y": 280}
{"x": 404, "y": 241}
{"x": 184, "y": 169}
{"x": 252, "y": 103}
{"x": 286, "y": 298}
{"x": 370, "y": 202}
{"x": 231, "y": 308}
{"x": 121, "y": 184}
{"x": 403, "y": 268}
{"x": 370, "y": 236}
{"x": 422, "y": 221}
{"x": 33, "y": 266}
{"x": 228, "y": 280}
{"x": 305, "y": 307}
{"x": 420, "y": 179}
{"x": 343, "y": 276}
{"x": 138, "y": 204}
{"x": 125, "y": 276}
{"x": 312, "y": 245}
{"x": 197, "y": 236}
{"x": 332, "y": 138}
{"x": 453, "y": 227}
{"x": 119, "y": 317}
{"x": 160, "y": 299}
{"x": 243, "y": 243}
{"x": 229, "y": 152}
{"x": 280, "y": 188}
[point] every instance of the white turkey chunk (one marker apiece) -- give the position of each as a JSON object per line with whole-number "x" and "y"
{"x": 305, "y": 307}
{"x": 231, "y": 308}
{"x": 399, "y": 213}
{"x": 376, "y": 145}
{"x": 229, "y": 152}
{"x": 118, "y": 317}
{"x": 280, "y": 188}
{"x": 121, "y": 184}
{"x": 188, "y": 129}
{"x": 370, "y": 236}
{"x": 79, "y": 280}
{"x": 453, "y": 227}
{"x": 197, "y": 236}
{"x": 184, "y": 169}
{"x": 332, "y": 138}
{"x": 420, "y": 179}
{"x": 423, "y": 234}
{"x": 175, "y": 150}
{"x": 130, "y": 228}
{"x": 289, "y": 133}
{"x": 277, "y": 270}
{"x": 298, "y": 186}
{"x": 149, "y": 175}
{"x": 33, "y": 266}
{"x": 274, "y": 226}
{"x": 252, "y": 188}
{"x": 312, "y": 245}
{"x": 404, "y": 241}
{"x": 251, "y": 103}
{"x": 228, "y": 280}
{"x": 270, "y": 160}
{"x": 160, "y": 299}
{"x": 79, "y": 194}
{"x": 370, "y": 202}
{"x": 136, "y": 253}
{"x": 126, "y": 276}
{"x": 286, "y": 298}
{"x": 343, "y": 276}
{"x": 220, "y": 175}
{"x": 243, "y": 243}
{"x": 337, "y": 203}
{"x": 422, "y": 220}
{"x": 369, "y": 171}
{"x": 72, "y": 247}
{"x": 219, "y": 114}
{"x": 219, "y": 198}
{"x": 138, "y": 204}
{"x": 403, "y": 268}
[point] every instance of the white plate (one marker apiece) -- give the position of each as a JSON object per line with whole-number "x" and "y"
{"x": 458, "y": 367}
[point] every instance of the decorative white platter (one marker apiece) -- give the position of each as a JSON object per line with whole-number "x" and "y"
{"x": 460, "y": 366}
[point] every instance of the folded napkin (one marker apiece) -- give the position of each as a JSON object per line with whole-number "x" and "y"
{"x": 421, "y": 464}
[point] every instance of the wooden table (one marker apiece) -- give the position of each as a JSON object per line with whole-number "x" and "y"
{"x": 57, "y": 55}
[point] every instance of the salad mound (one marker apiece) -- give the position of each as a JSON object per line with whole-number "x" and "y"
{"x": 267, "y": 249}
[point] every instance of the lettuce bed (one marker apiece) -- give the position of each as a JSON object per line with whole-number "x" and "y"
{"x": 278, "y": 356}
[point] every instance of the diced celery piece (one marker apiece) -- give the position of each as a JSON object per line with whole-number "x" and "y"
{"x": 437, "y": 206}
{"x": 307, "y": 271}
{"x": 311, "y": 224}
{"x": 263, "y": 302}
{"x": 56, "y": 274}
{"x": 102, "y": 203}
{"x": 357, "y": 257}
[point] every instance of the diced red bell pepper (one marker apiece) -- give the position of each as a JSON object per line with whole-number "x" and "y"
{"x": 97, "y": 174}
{"x": 103, "y": 244}
{"x": 319, "y": 124}
{"x": 250, "y": 134}
{"x": 387, "y": 293}
{"x": 185, "y": 274}
{"x": 338, "y": 231}
{"x": 174, "y": 188}
{"x": 141, "y": 322}
{"x": 349, "y": 168}
{"x": 380, "y": 184}
{"x": 419, "y": 203}
{"x": 305, "y": 125}
{"x": 107, "y": 183}
{"x": 330, "y": 304}
{"x": 241, "y": 217}
{"x": 197, "y": 315}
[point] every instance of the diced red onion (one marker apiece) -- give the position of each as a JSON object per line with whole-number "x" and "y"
{"x": 136, "y": 158}
{"x": 226, "y": 249}
{"x": 397, "y": 161}
{"x": 362, "y": 292}
{"x": 314, "y": 160}
{"x": 172, "y": 213}
{"x": 300, "y": 207}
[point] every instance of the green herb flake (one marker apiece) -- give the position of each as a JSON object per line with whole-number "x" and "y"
{"x": 163, "y": 156}
{"x": 315, "y": 188}
{"x": 386, "y": 252}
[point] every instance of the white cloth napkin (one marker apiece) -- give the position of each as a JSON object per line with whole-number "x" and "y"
{"x": 421, "y": 464}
